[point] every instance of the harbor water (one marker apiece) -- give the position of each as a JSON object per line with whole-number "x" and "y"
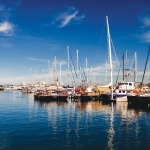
{"x": 27, "y": 124}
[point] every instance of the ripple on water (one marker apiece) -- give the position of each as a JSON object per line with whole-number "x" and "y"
{"x": 29, "y": 124}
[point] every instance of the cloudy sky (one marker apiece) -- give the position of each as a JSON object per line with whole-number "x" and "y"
{"x": 35, "y": 31}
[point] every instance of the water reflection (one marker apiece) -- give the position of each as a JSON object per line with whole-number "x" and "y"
{"x": 111, "y": 131}
{"x": 115, "y": 120}
{"x": 123, "y": 108}
{"x": 71, "y": 125}
{"x": 42, "y": 103}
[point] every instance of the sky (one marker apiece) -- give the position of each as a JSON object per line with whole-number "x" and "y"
{"x": 35, "y": 32}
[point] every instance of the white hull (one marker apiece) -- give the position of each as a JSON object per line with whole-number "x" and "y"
{"x": 121, "y": 99}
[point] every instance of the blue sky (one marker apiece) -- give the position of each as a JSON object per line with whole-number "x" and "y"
{"x": 35, "y": 31}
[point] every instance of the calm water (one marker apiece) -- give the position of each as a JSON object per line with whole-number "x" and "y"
{"x": 28, "y": 124}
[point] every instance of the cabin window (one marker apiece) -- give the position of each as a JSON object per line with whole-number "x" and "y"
{"x": 119, "y": 91}
{"x": 130, "y": 84}
{"x": 123, "y": 91}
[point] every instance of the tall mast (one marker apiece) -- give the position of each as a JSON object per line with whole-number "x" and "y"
{"x": 77, "y": 69}
{"x": 68, "y": 62}
{"x": 135, "y": 67}
{"x": 106, "y": 73}
{"x": 123, "y": 67}
{"x": 126, "y": 59}
{"x": 77, "y": 62}
{"x": 60, "y": 73}
{"x": 80, "y": 76}
{"x": 145, "y": 68}
{"x": 148, "y": 72}
{"x": 48, "y": 71}
{"x": 91, "y": 75}
{"x": 110, "y": 58}
{"x": 55, "y": 69}
{"x": 86, "y": 70}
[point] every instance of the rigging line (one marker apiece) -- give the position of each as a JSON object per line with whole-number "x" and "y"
{"x": 49, "y": 71}
{"x": 99, "y": 41}
{"x": 84, "y": 75}
{"x": 72, "y": 75}
{"x": 145, "y": 68}
{"x": 73, "y": 65}
{"x": 131, "y": 63}
{"x": 114, "y": 51}
{"x": 119, "y": 70}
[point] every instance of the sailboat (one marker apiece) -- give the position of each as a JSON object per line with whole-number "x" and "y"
{"x": 119, "y": 93}
{"x": 111, "y": 68}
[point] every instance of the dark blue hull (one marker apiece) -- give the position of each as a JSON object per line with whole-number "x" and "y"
{"x": 50, "y": 98}
{"x": 139, "y": 100}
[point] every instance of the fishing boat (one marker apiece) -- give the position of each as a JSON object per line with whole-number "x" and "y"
{"x": 91, "y": 93}
{"x": 120, "y": 92}
{"x": 51, "y": 95}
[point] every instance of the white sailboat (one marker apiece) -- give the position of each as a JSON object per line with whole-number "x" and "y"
{"x": 120, "y": 93}
{"x": 110, "y": 61}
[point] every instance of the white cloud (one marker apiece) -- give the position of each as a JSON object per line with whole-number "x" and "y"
{"x": 146, "y": 37}
{"x": 145, "y": 21}
{"x": 145, "y": 26}
{"x": 35, "y": 59}
{"x": 6, "y": 28}
{"x": 66, "y": 17}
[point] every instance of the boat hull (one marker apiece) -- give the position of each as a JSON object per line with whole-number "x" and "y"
{"x": 107, "y": 97}
{"x": 139, "y": 100}
{"x": 51, "y": 97}
{"x": 122, "y": 99}
{"x": 88, "y": 98}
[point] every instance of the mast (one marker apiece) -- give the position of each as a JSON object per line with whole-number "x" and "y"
{"x": 145, "y": 68}
{"x": 68, "y": 62}
{"x": 60, "y": 73}
{"x": 126, "y": 59}
{"x": 135, "y": 67}
{"x": 77, "y": 62}
{"x": 110, "y": 57}
{"x": 55, "y": 69}
{"x": 148, "y": 72}
{"x": 80, "y": 76}
{"x": 123, "y": 66}
{"x": 106, "y": 73}
{"x": 48, "y": 71}
{"x": 90, "y": 82}
{"x": 77, "y": 69}
{"x": 86, "y": 70}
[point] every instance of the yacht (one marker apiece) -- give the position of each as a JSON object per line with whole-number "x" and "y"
{"x": 120, "y": 92}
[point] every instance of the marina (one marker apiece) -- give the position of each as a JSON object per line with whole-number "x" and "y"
{"x": 74, "y": 75}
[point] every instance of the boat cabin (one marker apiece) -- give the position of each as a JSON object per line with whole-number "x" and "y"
{"x": 119, "y": 92}
{"x": 126, "y": 86}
